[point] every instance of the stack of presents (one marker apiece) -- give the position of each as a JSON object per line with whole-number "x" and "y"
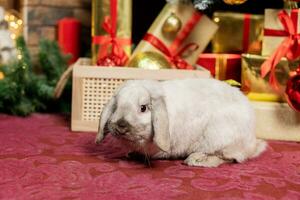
{"x": 259, "y": 52}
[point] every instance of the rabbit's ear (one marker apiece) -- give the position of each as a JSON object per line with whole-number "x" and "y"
{"x": 105, "y": 115}
{"x": 160, "y": 124}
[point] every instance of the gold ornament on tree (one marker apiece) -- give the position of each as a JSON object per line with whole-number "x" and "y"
{"x": 234, "y": 2}
{"x": 149, "y": 60}
{"x": 171, "y": 25}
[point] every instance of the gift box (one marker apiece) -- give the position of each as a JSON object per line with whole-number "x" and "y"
{"x": 276, "y": 121}
{"x": 180, "y": 33}
{"x": 111, "y": 32}
{"x": 222, "y": 66}
{"x": 258, "y": 88}
{"x": 279, "y": 26}
{"x": 237, "y": 33}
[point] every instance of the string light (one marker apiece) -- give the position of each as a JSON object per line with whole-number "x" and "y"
{"x": 15, "y": 24}
{"x": 1, "y": 75}
{"x": 13, "y": 36}
{"x": 217, "y": 19}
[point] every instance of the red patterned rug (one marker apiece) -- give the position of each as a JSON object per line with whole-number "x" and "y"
{"x": 40, "y": 158}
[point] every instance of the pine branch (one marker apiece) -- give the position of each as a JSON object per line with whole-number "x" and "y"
{"x": 23, "y": 92}
{"x": 52, "y": 62}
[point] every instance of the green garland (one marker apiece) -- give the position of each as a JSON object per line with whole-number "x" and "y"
{"x": 23, "y": 91}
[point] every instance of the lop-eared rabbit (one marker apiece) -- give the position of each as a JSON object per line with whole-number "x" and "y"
{"x": 205, "y": 121}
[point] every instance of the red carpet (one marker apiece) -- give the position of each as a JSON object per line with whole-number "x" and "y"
{"x": 41, "y": 159}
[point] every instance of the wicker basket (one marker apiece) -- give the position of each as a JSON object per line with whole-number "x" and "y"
{"x": 94, "y": 86}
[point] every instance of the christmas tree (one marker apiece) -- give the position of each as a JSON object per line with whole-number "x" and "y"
{"x": 23, "y": 90}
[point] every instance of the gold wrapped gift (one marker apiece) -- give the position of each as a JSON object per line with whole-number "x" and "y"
{"x": 182, "y": 25}
{"x": 238, "y": 33}
{"x": 258, "y": 88}
{"x": 101, "y": 9}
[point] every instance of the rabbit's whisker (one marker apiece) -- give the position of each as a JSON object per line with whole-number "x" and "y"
{"x": 147, "y": 159}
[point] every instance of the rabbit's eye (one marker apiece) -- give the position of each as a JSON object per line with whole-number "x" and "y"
{"x": 143, "y": 108}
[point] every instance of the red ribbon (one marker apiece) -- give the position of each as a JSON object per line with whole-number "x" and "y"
{"x": 110, "y": 26}
{"x": 246, "y": 32}
{"x": 173, "y": 57}
{"x": 174, "y": 53}
{"x": 290, "y": 47}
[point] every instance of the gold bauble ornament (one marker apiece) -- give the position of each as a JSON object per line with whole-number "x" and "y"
{"x": 234, "y": 2}
{"x": 149, "y": 60}
{"x": 171, "y": 25}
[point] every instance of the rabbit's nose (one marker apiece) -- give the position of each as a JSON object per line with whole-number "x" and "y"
{"x": 122, "y": 126}
{"x": 122, "y": 123}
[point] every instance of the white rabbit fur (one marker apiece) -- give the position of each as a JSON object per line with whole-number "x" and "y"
{"x": 207, "y": 121}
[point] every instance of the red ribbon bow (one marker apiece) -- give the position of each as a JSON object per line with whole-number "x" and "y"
{"x": 173, "y": 54}
{"x": 289, "y": 48}
{"x": 110, "y": 26}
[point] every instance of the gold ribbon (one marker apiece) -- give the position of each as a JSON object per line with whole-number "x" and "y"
{"x": 221, "y": 67}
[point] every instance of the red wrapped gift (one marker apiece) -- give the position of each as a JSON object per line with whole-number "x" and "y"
{"x": 222, "y": 66}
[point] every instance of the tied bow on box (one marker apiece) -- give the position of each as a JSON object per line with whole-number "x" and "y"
{"x": 175, "y": 53}
{"x": 289, "y": 48}
{"x": 117, "y": 57}
{"x": 172, "y": 55}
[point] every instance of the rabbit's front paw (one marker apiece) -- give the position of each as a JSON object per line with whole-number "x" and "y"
{"x": 203, "y": 160}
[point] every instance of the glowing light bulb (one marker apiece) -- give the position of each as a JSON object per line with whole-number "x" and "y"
{"x": 13, "y": 36}
{"x": 11, "y": 17}
{"x": 216, "y": 19}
